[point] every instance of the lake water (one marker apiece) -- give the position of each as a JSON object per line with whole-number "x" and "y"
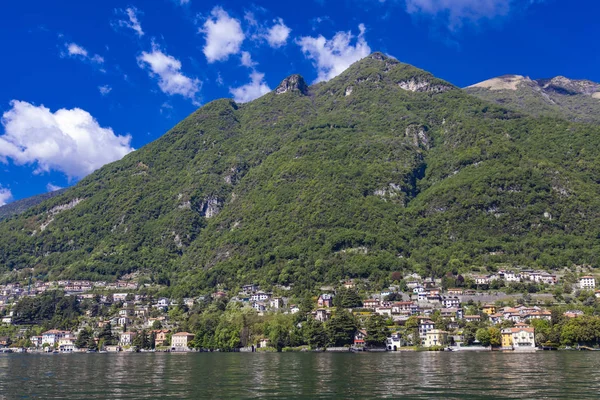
{"x": 466, "y": 375}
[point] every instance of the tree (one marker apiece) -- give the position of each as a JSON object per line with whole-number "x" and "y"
{"x": 314, "y": 333}
{"x": 85, "y": 339}
{"x": 495, "y": 337}
{"x": 377, "y": 331}
{"x": 483, "y": 336}
{"x": 341, "y": 328}
{"x": 347, "y": 298}
{"x": 106, "y": 335}
{"x": 469, "y": 333}
{"x": 157, "y": 325}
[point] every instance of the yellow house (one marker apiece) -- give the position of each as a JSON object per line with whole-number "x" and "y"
{"x": 436, "y": 337}
{"x": 489, "y": 309}
{"x": 507, "y": 341}
{"x": 521, "y": 337}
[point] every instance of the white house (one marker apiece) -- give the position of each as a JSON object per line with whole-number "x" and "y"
{"x": 260, "y": 296}
{"x": 53, "y": 336}
{"x": 127, "y": 338}
{"x": 119, "y": 296}
{"x": 181, "y": 341}
{"x": 587, "y": 282}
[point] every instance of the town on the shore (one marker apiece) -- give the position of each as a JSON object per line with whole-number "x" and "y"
{"x": 508, "y": 309}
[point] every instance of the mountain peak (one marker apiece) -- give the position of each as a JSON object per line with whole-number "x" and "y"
{"x": 504, "y": 82}
{"x": 293, "y": 83}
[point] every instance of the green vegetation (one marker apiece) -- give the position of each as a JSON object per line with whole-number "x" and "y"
{"x": 308, "y": 188}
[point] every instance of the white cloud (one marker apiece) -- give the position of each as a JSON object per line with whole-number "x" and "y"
{"x": 333, "y": 56}
{"x": 250, "y": 91}
{"x": 223, "y": 35}
{"x": 455, "y": 13}
{"x": 278, "y": 34}
{"x": 132, "y": 21}
{"x": 74, "y": 50}
{"x": 104, "y": 90}
{"x": 247, "y": 60}
{"x": 70, "y": 141}
{"x": 5, "y": 196}
{"x": 52, "y": 187}
{"x": 167, "y": 68}
{"x": 183, "y": 2}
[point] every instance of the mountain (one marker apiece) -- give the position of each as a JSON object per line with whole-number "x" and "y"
{"x": 20, "y": 206}
{"x": 576, "y": 100}
{"x": 383, "y": 168}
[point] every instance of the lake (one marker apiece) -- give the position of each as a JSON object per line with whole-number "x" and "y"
{"x": 458, "y": 375}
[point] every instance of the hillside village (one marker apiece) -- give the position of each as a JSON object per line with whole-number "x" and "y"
{"x": 415, "y": 313}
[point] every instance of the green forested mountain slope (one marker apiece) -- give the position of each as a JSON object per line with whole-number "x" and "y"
{"x": 381, "y": 169}
{"x": 575, "y": 100}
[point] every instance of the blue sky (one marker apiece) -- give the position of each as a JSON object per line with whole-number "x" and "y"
{"x": 86, "y": 82}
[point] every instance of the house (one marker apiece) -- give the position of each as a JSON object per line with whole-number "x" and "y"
{"x": 4, "y": 341}
{"x": 126, "y": 338}
{"x": 394, "y": 342}
{"x": 114, "y": 348}
{"x": 181, "y": 341}
{"x": 481, "y": 280}
{"x": 251, "y": 288}
{"x": 123, "y": 321}
{"x": 587, "y": 282}
{"x": 548, "y": 279}
{"x": 259, "y": 306}
{"x": 450, "y": 302}
{"x": 119, "y": 297}
{"x": 402, "y": 307}
{"x": 597, "y": 293}
{"x": 455, "y": 292}
{"x": 66, "y": 344}
{"x": 260, "y": 296}
{"x": 510, "y": 276}
{"x": 521, "y": 337}
{"x": 472, "y": 318}
{"x": 53, "y": 336}
{"x": 349, "y": 284}
{"x": 276, "y": 303}
{"x": 325, "y": 300}
{"x": 294, "y": 309}
{"x": 496, "y": 318}
{"x": 436, "y": 337}
{"x": 160, "y": 337}
{"x": 453, "y": 314}
{"x": 371, "y": 303}
{"x": 264, "y": 342}
{"x": 322, "y": 314}
{"x": 162, "y": 303}
{"x": 425, "y": 325}
{"x": 489, "y": 309}
{"x": 385, "y": 311}
{"x": 359, "y": 338}
{"x": 418, "y": 289}
{"x": 36, "y": 341}
{"x": 412, "y": 284}
{"x": 7, "y": 320}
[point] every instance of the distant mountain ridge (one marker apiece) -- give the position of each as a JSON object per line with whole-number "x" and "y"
{"x": 383, "y": 168}
{"x": 573, "y": 99}
{"x": 20, "y": 206}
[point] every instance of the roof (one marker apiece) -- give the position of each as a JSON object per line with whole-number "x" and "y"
{"x": 54, "y": 332}
{"x": 183, "y": 334}
{"x": 472, "y": 316}
{"x": 587, "y": 276}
